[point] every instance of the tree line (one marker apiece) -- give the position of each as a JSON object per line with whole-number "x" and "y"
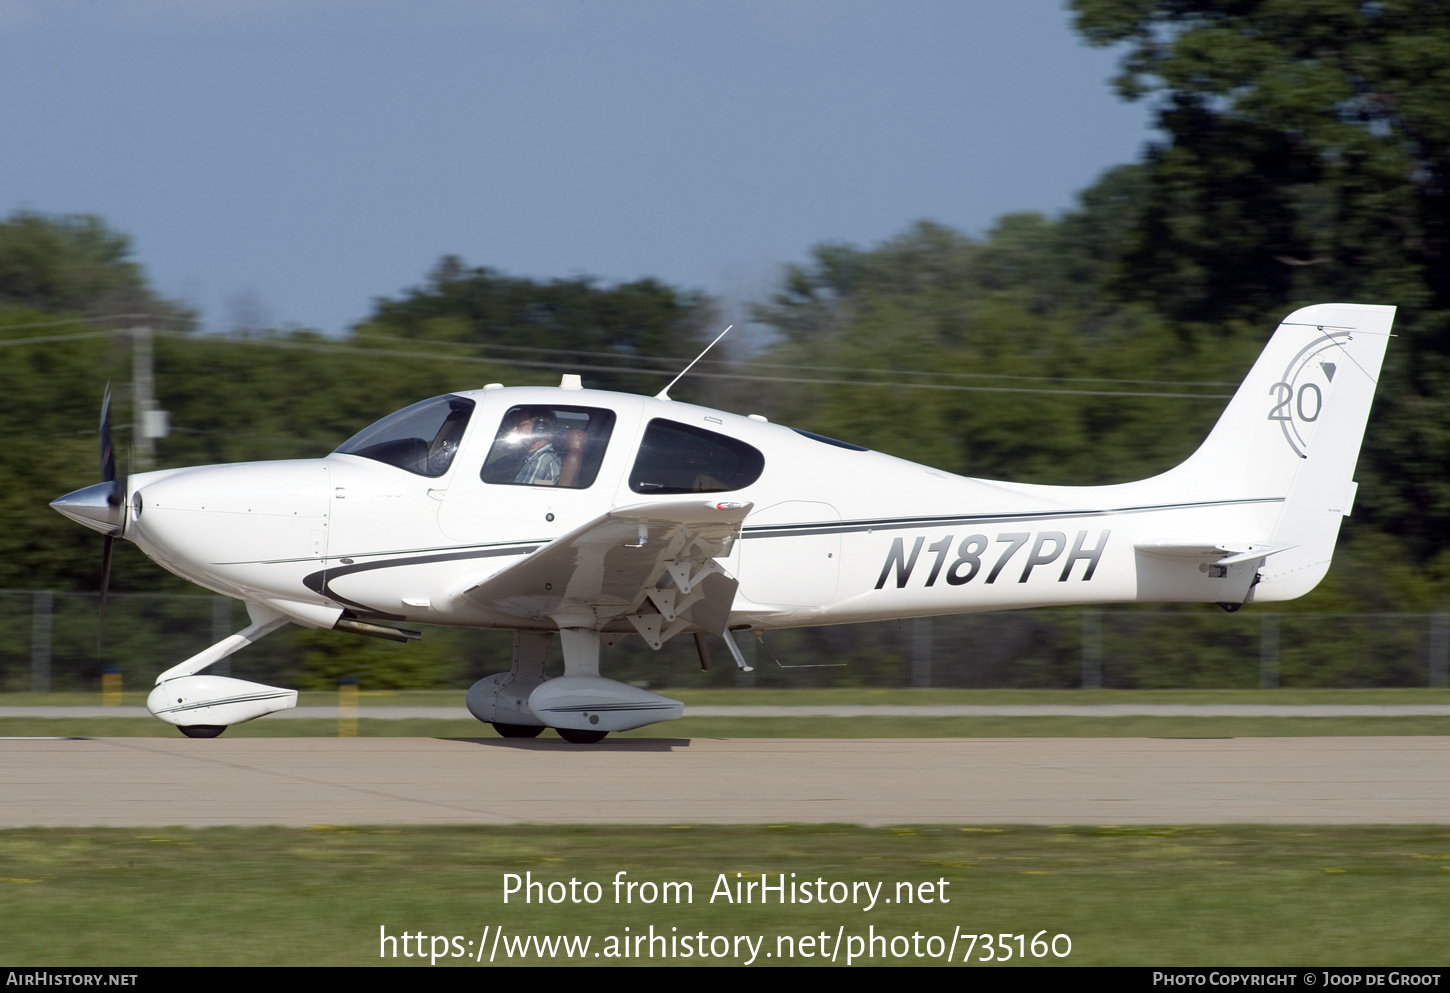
{"x": 1303, "y": 157}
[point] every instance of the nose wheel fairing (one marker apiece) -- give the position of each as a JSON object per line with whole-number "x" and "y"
{"x": 204, "y": 705}
{"x": 215, "y": 701}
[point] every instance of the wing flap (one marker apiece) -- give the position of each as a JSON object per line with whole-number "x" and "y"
{"x": 651, "y": 566}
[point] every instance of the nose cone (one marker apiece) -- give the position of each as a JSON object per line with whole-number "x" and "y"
{"x": 94, "y": 508}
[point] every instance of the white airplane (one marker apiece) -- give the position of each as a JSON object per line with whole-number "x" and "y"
{"x": 595, "y": 515}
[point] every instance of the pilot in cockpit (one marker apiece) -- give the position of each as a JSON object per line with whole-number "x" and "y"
{"x": 545, "y": 446}
{"x": 534, "y": 432}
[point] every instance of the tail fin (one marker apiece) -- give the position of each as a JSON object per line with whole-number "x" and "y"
{"x": 1294, "y": 429}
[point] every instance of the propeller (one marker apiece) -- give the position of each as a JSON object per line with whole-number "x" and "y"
{"x": 115, "y": 497}
{"x": 100, "y": 506}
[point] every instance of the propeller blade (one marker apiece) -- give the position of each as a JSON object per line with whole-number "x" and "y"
{"x": 115, "y": 498}
{"x": 108, "y": 453}
{"x": 105, "y": 585}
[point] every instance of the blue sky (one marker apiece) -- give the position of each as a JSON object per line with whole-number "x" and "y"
{"x": 286, "y": 161}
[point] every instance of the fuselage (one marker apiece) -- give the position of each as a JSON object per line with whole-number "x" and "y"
{"x": 836, "y": 534}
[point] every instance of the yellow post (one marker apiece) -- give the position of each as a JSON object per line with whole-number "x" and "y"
{"x": 347, "y": 707}
{"x": 111, "y": 686}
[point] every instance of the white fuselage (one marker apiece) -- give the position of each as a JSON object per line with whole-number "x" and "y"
{"x": 835, "y": 535}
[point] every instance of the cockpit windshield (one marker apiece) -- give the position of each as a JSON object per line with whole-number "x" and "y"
{"x": 422, "y": 438}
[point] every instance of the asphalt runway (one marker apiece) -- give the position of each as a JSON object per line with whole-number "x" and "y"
{"x": 156, "y": 782}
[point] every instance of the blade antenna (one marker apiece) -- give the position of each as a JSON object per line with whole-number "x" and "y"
{"x": 664, "y": 394}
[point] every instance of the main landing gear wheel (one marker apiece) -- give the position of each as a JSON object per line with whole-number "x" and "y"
{"x": 576, "y": 737}
{"x": 518, "y": 730}
{"x": 203, "y": 730}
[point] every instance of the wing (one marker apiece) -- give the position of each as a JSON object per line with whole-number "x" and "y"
{"x": 648, "y": 567}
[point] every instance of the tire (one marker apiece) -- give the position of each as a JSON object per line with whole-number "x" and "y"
{"x": 518, "y": 730}
{"x": 575, "y": 737}
{"x": 203, "y": 730}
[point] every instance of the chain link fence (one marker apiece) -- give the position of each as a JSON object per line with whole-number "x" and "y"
{"x": 48, "y": 642}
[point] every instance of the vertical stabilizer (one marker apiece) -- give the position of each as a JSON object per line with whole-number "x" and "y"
{"x": 1293, "y": 430}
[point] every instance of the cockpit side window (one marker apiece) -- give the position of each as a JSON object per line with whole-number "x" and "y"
{"x": 549, "y": 445}
{"x": 680, "y": 458}
{"x": 422, "y": 438}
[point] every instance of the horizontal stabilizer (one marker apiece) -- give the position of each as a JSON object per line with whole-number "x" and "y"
{"x": 1222, "y": 553}
{"x": 1255, "y": 553}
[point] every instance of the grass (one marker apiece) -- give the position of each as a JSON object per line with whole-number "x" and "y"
{"x": 1236, "y": 895}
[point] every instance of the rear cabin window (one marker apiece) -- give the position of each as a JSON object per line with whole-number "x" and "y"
{"x": 549, "y": 445}
{"x": 681, "y": 458}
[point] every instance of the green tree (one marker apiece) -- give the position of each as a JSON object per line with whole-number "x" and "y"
{"x": 998, "y": 358}
{"x": 560, "y": 323}
{"x": 1308, "y": 148}
{"x": 272, "y": 395}
{"x": 73, "y": 263}
{"x": 1306, "y": 158}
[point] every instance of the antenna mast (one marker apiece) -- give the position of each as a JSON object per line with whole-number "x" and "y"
{"x": 664, "y": 394}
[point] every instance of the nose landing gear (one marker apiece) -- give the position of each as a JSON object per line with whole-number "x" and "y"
{"x": 518, "y": 730}
{"x": 202, "y": 730}
{"x": 576, "y": 737}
